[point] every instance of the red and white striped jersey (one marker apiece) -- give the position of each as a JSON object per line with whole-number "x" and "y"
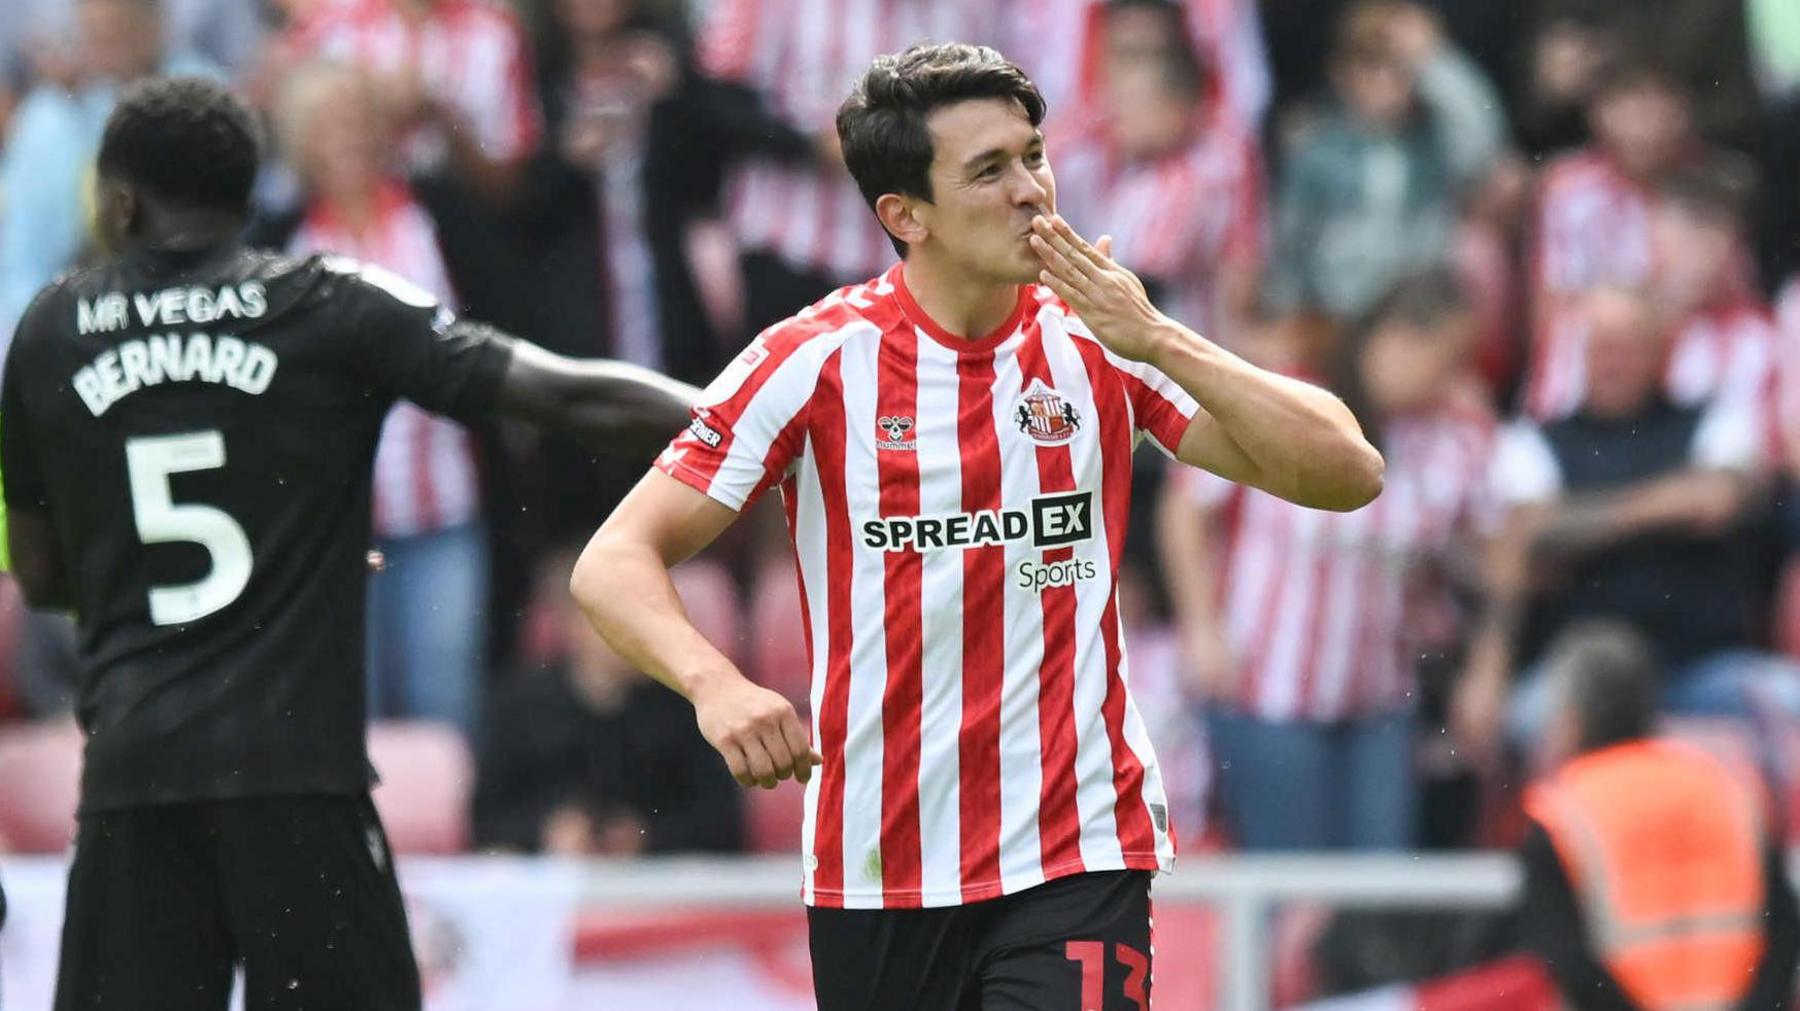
{"x": 958, "y": 511}
{"x": 470, "y": 54}
{"x": 425, "y": 474}
{"x": 1059, "y": 44}
{"x": 1592, "y": 228}
{"x": 1177, "y": 219}
{"x": 1323, "y": 611}
{"x": 1724, "y": 353}
{"x": 805, "y": 56}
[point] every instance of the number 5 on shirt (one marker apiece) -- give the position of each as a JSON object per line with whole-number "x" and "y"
{"x": 151, "y": 460}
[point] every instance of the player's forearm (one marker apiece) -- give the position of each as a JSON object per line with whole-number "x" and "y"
{"x": 627, "y": 594}
{"x": 608, "y": 406}
{"x": 1300, "y": 439}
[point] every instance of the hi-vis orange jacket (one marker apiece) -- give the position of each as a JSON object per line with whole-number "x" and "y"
{"x": 1663, "y": 844}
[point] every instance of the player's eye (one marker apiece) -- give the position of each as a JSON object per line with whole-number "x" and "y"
{"x": 1034, "y": 158}
{"x": 991, "y": 172}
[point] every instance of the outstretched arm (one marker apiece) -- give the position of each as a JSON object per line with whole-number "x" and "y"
{"x": 1255, "y": 427}
{"x": 606, "y": 405}
{"x": 622, "y": 582}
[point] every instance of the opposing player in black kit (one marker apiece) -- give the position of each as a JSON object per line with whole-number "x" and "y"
{"x": 186, "y": 451}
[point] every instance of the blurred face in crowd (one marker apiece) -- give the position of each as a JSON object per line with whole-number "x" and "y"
{"x": 335, "y": 133}
{"x": 1377, "y": 88}
{"x": 1146, "y": 116}
{"x": 1626, "y": 353}
{"x": 1407, "y": 365}
{"x": 1644, "y": 127}
{"x": 121, "y": 40}
{"x": 989, "y": 177}
{"x": 1695, "y": 253}
{"x": 1137, "y": 34}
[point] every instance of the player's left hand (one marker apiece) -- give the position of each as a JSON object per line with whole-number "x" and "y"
{"x": 1108, "y": 298}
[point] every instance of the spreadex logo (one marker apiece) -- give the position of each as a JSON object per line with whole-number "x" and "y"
{"x": 1051, "y": 521}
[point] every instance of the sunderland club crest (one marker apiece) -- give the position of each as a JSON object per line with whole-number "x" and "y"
{"x": 1044, "y": 416}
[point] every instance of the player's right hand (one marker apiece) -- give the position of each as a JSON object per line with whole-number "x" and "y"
{"x": 756, "y": 731}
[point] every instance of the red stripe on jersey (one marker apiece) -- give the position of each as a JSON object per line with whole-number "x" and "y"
{"x": 897, "y": 387}
{"x": 1059, "y": 821}
{"x": 1129, "y": 812}
{"x": 984, "y": 639}
{"x": 827, "y": 432}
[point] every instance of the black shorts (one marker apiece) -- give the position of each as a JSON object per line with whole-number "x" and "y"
{"x": 299, "y": 891}
{"x": 1080, "y": 943}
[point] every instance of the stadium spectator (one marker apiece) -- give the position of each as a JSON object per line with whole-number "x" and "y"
{"x": 427, "y": 627}
{"x": 1302, "y": 627}
{"x": 1372, "y": 191}
{"x": 1591, "y": 224}
{"x": 1179, "y": 189}
{"x": 1632, "y": 508}
{"x": 47, "y": 160}
{"x": 1064, "y": 45}
{"x": 1723, "y": 343}
{"x": 1701, "y": 45}
{"x": 36, "y": 37}
{"x": 589, "y": 757}
{"x": 1655, "y": 875}
{"x": 453, "y": 74}
{"x": 803, "y": 227}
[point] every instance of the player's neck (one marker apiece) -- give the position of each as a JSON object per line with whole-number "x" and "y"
{"x": 186, "y": 230}
{"x": 961, "y": 305}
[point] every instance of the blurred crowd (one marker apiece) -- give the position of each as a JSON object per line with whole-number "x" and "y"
{"x": 1547, "y": 250}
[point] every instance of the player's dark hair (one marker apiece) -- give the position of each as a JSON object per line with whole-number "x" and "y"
{"x": 882, "y": 124}
{"x": 1608, "y": 679}
{"x": 184, "y": 140}
{"x": 1423, "y": 299}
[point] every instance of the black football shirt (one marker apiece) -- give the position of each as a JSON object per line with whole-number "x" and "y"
{"x": 200, "y": 429}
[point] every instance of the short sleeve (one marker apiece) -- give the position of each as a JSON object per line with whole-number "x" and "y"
{"x": 412, "y": 346}
{"x": 1729, "y": 438}
{"x": 1160, "y": 408}
{"x": 747, "y": 430}
{"x": 1525, "y": 470}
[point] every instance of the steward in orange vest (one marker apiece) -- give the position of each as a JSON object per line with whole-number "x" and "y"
{"x": 1653, "y": 877}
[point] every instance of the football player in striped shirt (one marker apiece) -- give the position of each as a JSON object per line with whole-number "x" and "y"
{"x": 952, "y": 442}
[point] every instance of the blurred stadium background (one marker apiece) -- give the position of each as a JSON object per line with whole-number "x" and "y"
{"x": 1414, "y": 200}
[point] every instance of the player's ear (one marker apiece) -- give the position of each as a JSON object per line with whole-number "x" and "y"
{"x": 116, "y": 214}
{"x": 899, "y": 216}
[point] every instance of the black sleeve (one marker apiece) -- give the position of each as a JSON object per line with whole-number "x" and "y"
{"x": 21, "y": 471}
{"x": 410, "y": 346}
{"x": 1774, "y": 986}
{"x": 1553, "y": 928}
